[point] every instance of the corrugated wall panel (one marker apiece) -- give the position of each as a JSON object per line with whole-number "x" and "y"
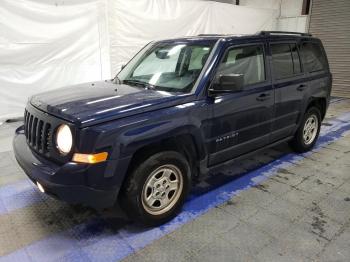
{"x": 330, "y": 21}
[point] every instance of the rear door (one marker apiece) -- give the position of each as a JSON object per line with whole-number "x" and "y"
{"x": 242, "y": 121}
{"x": 290, "y": 84}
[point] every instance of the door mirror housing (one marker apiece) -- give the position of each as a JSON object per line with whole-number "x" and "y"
{"x": 229, "y": 83}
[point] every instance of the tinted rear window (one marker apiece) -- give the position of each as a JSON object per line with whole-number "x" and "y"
{"x": 285, "y": 60}
{"x": 312, "y": 57}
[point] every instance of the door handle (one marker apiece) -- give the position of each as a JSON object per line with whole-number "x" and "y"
{"x": 301, "y": 87}
{"x": 263, "y": 97}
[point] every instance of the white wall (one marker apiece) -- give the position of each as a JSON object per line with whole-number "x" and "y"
{"x": 291, "y": 8}
{"x": 293, "y": 24}
{"x": 290, "y": 18}
{"x": 270, "y": 4}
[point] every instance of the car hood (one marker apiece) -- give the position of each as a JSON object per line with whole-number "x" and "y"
{"x": 92, "y": 103}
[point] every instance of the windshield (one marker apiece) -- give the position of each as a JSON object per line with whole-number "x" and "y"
{"x": 167, "y": 67}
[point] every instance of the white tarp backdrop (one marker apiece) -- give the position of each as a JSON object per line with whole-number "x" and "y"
{"x": 47, "y": 44}
{"x": 132, "y": 24}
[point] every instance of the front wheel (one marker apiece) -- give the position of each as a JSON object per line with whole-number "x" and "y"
{"x": 155, "y": 191}
{"x": 307, "y": 133}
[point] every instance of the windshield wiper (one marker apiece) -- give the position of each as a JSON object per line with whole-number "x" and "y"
{"x": 139, "y": 83}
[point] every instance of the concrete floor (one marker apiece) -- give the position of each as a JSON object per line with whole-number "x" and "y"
{"x": 275, "y": 206}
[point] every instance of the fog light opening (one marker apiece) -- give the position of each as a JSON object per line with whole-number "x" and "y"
{"x": 41, "y": 188}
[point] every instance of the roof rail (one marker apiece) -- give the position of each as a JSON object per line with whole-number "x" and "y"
{"x": 209, "y": 34}
{"x": 283, "y": 33}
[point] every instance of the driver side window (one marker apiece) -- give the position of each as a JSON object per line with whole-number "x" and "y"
{"x": 247, "y": 61}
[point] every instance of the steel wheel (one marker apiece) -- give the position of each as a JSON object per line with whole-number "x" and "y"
{"x": 310, "y": 129}
{"x": 162, "y": 189}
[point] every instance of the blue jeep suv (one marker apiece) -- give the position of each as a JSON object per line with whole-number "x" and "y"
{"x": 178, "y": 109}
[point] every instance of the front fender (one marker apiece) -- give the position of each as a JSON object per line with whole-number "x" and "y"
{"x": 126, "y": 136}
{"x": 164, "y": 125}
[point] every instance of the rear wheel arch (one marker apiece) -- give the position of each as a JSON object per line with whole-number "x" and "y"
{"x": 318, "y": 102}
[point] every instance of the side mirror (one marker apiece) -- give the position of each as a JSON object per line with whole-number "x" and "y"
{"x": 229, "y": 83}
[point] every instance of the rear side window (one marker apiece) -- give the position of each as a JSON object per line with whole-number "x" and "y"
{"x": 312, "y": 57}
{"x": 247, "y": 61}
{"x": 285, "y": 60}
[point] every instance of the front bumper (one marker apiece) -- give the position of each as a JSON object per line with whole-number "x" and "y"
{"x": 68, "y": 182}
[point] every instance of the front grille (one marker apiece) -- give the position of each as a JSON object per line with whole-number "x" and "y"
{"x": 38, "y": 133}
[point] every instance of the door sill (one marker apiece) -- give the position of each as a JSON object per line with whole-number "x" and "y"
{"x": 205, "y": 170}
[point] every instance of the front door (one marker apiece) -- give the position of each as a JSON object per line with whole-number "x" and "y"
{"x": 242, "y": 120}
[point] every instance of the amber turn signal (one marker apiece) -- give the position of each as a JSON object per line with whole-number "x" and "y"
{"x": 90, "y": 158}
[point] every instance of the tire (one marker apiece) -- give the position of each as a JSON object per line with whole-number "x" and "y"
{"x": 155, "y": 179}
{"x": 303, "y": 143}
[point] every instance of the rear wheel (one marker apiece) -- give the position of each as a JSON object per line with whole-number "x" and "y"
{"x": 155, "y": 190}
{"x": 307, "y": 133}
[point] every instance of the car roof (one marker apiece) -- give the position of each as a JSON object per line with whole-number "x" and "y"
{"x": 259, "y": 35}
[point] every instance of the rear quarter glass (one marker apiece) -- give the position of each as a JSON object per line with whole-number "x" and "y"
{"x": 313, "y": 57}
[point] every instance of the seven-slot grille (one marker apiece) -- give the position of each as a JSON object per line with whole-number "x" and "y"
{"x": 38, "y": 133}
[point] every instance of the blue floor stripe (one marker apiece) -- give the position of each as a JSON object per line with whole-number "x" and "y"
{"x": 98, "y": 240}
{"x": 19, "y": 195}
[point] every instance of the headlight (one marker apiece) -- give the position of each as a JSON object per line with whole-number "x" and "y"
{"x": 64, "y": 139}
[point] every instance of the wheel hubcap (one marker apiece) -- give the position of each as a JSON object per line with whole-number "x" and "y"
{"x": 162, "y": 189}
{"x": 310, "y": 129}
